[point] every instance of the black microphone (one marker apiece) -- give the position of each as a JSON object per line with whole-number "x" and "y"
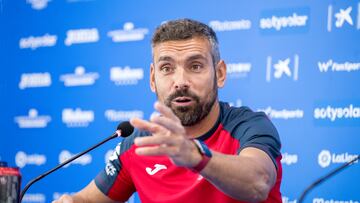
{"x": 326, "y": 177}
{"x": 124, "y": 129}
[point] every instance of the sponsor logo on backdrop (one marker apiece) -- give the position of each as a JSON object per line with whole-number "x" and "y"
{"x": 333, "y": 114}
{"x": 83, "y": 160}
{"x": 322, "y": 200}
{"x": 282, "y": 68}
{"x": 32, "y": 120}
{"x": 283, "y": 113}
{"x": 57, "y": 195}
{"x": 81, "y": 36}
{"x": 237, "y": 103}
{"x": 344, "y": 17}
{"x": 243, "y": 24}
{"x": 238, "y": 70}
{"x": 79, "y": 77}
{"x": 35, "y": 42}
{"x": 34, "y": 197}
{"x": 77, "y": 117}
{"x": 331, "y": 65}
{"x": 289, "y": 159}
{"x": 284, "y": 20}
{"x": 128, "y": 33}
{"x": 126, "y": 75}
{"x": 38, "y": 4}
{"x": 32, "y": 80}
{"x": 22, "y": 159}
{"x": 288, "y": 200}
{"x": 325, "y": 158}
{"x": 114, "y": 115}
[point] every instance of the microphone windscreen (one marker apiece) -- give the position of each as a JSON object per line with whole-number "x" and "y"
{"x": 126, "y": 128}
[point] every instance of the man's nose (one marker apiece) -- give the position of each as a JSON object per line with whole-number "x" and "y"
{"x": 181, "y": 79}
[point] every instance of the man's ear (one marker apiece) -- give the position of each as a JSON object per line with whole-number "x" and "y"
{"x": 221, "y": 73}
{"x": 152, "y": 78}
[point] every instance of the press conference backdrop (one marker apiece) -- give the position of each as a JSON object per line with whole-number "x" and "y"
{"x": 71, "y": 70}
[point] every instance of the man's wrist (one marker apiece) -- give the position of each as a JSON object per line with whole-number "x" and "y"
{"x": 205, "y": 153}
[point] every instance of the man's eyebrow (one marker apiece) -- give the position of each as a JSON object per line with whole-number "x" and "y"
{"x": 195, "y": 57}
{"x": 165, "y": 58}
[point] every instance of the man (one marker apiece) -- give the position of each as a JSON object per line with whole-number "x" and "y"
{"x": 197, "y": 149}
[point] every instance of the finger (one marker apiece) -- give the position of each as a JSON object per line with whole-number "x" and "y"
{"x": 160, "y": 150}
{"x": 174, "y": 126}
{"x": 165, "y": 111}
{"x": 145, "y": 125}
{"x": 154, "y": 140}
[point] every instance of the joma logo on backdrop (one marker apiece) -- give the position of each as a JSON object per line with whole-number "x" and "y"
{"x": 284, "y": 67}
{"x": 128, "y": 33}
{"x": 81, "y": 36}
{"x": 331, "y": 65}
{"x": 32, "y": 120}
{"x": 22, "y": 159}
{"x": 126, "y": 75}
{"x": 32, "y": 80}
{"x": 345, "y": 17}
{"x": 79, "y": 78}
{"x": 284, "y": 20}
{"x": 325, "y": 158}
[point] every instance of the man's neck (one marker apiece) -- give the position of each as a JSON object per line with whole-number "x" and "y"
{"x": 205, "y": 124}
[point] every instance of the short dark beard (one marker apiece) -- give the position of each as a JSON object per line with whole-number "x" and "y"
{"x": 191, "y": 115}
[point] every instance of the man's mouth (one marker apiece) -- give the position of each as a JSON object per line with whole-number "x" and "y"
{"x": 182, "y": 101}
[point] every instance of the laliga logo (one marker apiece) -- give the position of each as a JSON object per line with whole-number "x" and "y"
{"x": 83, "y": 160}
{"x": 33, "y": 120}
{"x": 128, "y": 33}
{"x": 22, "y": 159}
{"x": 324, "y": 158}
{"x": 79, "y": 78}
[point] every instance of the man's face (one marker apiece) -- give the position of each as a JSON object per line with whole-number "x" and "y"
{"x": 183, "y": 77}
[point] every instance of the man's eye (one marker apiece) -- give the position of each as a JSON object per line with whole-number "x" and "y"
{"x": 166, "y": 69}
{"x": 196, "y": 67}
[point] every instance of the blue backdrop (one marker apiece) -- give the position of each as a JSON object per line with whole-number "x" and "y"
{"x": 72, "y": 69}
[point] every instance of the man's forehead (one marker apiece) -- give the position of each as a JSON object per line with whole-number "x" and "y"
{"x": 194, "y": 48}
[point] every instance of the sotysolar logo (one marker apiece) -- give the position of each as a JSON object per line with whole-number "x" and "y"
{"x": 336, "y": 113}
{"x": 128, "y": 33}
{"x": 283, "y": 113}
{"x": 79, "y": 78}
{"x": 32, "y": 80}
{"x": 325, "y": 158}
{"x": 36, "y": 42}
{"x": 333, "y": 66}
{"x": 77, "y": 117}
{"x": 83, "y": 160}
{"x": 284, "y": 20}
{"x": 126, "y": 75}
{"x": 32, "y": 120}
{"x": 81, "y": 36}
{"x": 287, "y": 67}
{"x": 343, "y": 17}
{"x": 221, "y": 26}
{"x": 22, "y": 159}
